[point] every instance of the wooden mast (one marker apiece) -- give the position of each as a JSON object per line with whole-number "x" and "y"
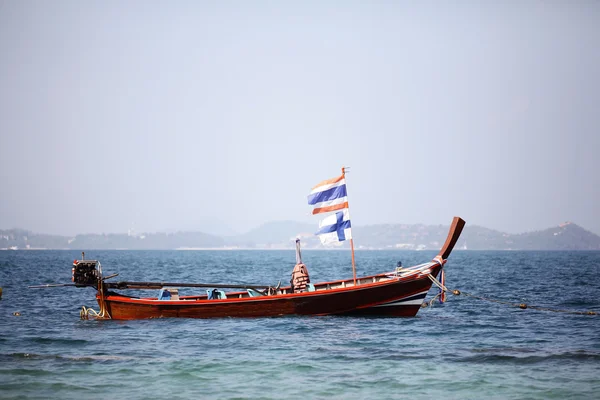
{"x": 351, "y": 240}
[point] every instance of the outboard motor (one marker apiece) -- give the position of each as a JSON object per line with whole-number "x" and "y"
{"x": 85, "y": 272}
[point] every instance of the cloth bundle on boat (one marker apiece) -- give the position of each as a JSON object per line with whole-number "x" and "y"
{"x": 300, "y": 278}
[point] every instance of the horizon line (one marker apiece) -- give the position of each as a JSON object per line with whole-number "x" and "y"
{"x": 168, "y": 232}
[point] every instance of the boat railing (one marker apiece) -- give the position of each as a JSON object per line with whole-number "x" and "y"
{"x": 403, "y": 272}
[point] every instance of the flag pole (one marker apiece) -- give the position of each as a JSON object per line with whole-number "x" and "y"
{"x": 351, "y": 240}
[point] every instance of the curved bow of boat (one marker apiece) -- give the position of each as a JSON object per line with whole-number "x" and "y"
{"x": 453, "y": 234}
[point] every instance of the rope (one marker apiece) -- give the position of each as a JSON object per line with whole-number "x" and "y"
{"x": 87, "y": 311}
{"x": 522, "y": 306}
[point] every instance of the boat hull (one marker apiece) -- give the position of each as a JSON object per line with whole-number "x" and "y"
{"x": 401, "y": 297}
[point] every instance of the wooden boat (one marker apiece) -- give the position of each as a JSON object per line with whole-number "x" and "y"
{"x": 399, "y": 293}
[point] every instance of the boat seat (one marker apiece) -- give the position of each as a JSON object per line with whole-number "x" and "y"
{"x": 168, "y": 294}
{"x": 254, "y": 293}
{"x": 310, "y": 287}
{"x": 215, "y": 294}
{"x": 164, "y": 295}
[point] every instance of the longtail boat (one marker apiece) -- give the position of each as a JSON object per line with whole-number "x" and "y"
{"x": 398, "y": 293}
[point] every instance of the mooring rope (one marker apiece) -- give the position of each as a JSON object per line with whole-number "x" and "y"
{"x": 522, "y": 306}
{"x": 87, "y": 311}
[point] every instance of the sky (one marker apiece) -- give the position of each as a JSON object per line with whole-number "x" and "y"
{"x": 222, "y": 115}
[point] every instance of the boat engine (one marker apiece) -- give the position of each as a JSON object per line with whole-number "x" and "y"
{"x": 85, "y": 273}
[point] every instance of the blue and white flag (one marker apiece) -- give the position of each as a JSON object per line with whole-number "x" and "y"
{"x": 335, "y": 228}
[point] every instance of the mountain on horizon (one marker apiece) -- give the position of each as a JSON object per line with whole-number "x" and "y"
{"x": 282, "y": 234}
{"x": 206, "y": 224}
{"x": 275, "y": 232}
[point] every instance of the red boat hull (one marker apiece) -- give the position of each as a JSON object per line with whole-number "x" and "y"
{"x": 395, "y": 297}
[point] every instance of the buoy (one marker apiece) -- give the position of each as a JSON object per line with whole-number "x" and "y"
{"x": 523, "y": 306}
{"x": 456, "y": 292}
{"x": 0, "y": 292}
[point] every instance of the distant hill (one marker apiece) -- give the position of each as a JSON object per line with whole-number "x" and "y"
{"x": 20, "y": 239}
{"x": 567, "y": 236}
{"x": 277, "y": 233}
{"x": 282, "y": 234}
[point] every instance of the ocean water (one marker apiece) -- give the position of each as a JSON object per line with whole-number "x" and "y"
{"x": 463, "y": 349}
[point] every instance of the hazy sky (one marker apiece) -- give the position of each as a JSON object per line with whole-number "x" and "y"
{"x": 177, "y": 115}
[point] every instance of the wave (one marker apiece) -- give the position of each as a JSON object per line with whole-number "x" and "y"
{"x": 84, "y": 358}
{"x": 59, "y": 341}
{"x": 491, "y": 356}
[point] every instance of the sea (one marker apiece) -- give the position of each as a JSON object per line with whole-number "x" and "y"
{"x": 470, "y": 347}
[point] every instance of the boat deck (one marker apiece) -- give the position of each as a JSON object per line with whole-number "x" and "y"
{"x": 367, "y": 281}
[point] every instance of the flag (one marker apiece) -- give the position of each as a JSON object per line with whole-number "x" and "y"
{"x": 335, "y": 228}
{"x": 329, "y": 195}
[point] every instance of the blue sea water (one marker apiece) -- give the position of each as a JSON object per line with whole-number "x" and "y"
{"x": 466, "y": 348}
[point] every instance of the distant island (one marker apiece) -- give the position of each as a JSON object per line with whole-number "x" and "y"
{"x": 282, "y": 234}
